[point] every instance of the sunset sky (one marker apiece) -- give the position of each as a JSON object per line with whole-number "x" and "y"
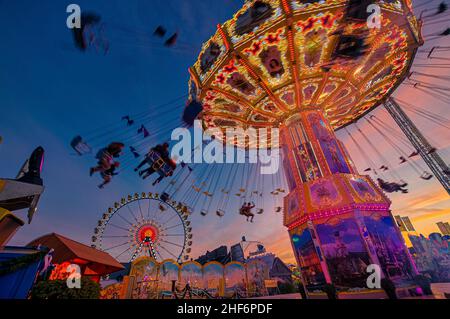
{"x": 50, "y": 92}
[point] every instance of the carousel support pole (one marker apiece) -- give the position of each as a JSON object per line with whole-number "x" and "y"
{"x": 420, "y": 143}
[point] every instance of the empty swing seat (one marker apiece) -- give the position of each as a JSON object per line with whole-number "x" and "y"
{"x": 220, "y": 213}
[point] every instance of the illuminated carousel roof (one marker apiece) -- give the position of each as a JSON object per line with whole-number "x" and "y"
{"x": 275, "y": 57}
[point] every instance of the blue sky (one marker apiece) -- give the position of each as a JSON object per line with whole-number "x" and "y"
{"x": 50, "y": 92}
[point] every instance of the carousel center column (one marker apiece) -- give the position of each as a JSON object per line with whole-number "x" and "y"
{"x": 339, "y": 222}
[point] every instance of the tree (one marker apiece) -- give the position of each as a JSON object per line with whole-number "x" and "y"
{"x": 57, "y": 289}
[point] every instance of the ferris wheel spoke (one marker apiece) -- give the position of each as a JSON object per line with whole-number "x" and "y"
{"x": 140, "y": 209}
{"x": 173, "y": 235}
{"x": 132, "y": 214}
{"x": 154, "y": 213}
{"x": 116, "y": 236}
{"x": 148, "y": 209}
{"x": 124, "y": 219}
{"x": 169, "y": 242}
{"x": 169, "y": 252}
{"x": 118, "y": 227}
{"x": 117, "y": 246}
{"x": 171, "y": 227}
{"x": 123, "y": 252}
{"x": 170, "y": 219}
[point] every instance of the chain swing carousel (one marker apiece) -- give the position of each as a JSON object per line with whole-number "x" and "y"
{"x": 310, "y": 68}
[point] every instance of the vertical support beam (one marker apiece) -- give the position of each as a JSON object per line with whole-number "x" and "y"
{"x": 420, "y": 143}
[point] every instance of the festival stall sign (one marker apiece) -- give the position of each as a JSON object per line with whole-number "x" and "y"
{"x": 93, "y": 263}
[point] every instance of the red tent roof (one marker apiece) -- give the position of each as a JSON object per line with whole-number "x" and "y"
{"x": 97, "y": 262}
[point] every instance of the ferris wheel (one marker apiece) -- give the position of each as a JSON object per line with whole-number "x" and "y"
{"x": 146, "y": 224}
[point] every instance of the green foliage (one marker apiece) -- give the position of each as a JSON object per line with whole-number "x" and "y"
{"x": 287, "y": 288}
{"x": 16, "y": 264}
{"x": 57, "y": 289}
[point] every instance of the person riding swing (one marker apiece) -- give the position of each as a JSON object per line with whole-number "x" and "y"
{"x": 108, "y": 174}
{"x": 246, "y": 210}
{"x": 157, "y": 165}
{"x": 106, "y": 157}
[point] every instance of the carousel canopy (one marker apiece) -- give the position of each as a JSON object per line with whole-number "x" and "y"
{"x": 276, "y": 57}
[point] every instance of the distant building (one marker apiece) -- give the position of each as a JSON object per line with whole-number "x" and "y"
{"x": 432, "y": 256}
{"x": 408, "y": 224}
{"x": 404, "y": 224}
{"x": 237, "y": 253}
{"x": 277, "y": 268}
{"x": 219, "y": 254}
{"x": 400, "y": 223}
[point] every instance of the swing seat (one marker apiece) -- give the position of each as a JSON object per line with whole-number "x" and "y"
{"x": 159, "y": 165}
{"x": 278, "y": 209}
{"x": 166, "y": 169}
{"x": 426, "y": 176}
{"x": 220, "y": 213}
{"x": 165, "y": 197}
{"x": 203, "y": 213}
{"x": 402, "y": 183}
{"x": 79, "y": 146}
{"x": 94, "y": 239}
{"x": 260, "y": 211}
{"x": 162, "y": 208}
